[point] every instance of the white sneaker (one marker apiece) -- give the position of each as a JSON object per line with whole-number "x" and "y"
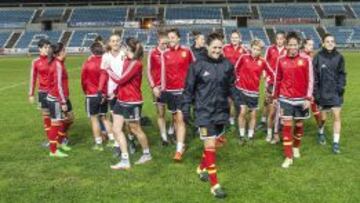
{"x": 287, "y": 162}
{"x": 171, "y": 130}
{"x": 268, "y": 138}
{"x": 296, "y": 152}
{"x": 122, "y": 165}
{"x": 232, "y": 121}
{"x": 143, "y": 159}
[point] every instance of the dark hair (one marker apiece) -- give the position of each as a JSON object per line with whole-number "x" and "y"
{"x": 97, "y": 48}
{"x": 304, "y": 41}
{"x": 135, "y": 46}
{"x": 293, "y": 35}
{"x": 43, "y": 42}
{"x": 214, "y": 36}
{"x": 326, "y": 35}
{"x": 54, "y": 51}
{"x": 99, "y": 39}
{"x": 280, "y": 32}
{"x": 196, "y": 33}
{"x": 174, "y": 30}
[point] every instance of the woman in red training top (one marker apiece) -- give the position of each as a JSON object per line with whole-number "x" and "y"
{"x": 58, "y": 101}
{"x": 39, "y": 72}
{"x": 129, "y": 103}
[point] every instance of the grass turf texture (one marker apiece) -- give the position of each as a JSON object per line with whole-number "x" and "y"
{"x": 248, "y": 174}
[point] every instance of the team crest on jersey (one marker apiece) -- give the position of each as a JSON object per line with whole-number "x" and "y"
{"x": 183, "y": 54}
{"x": 300, "y": 62}
{"x": 259, "y": 63}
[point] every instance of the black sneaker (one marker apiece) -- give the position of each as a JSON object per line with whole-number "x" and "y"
{"x": 321, "y": 139}
{"x": 117, "y": 152}
{"x": 203, "y": 174}
{"x": 218, "y": 192}
{"x": 164, "y": 143}
{"x": 132, "y": 147}
{"x": 336, "y": 148}
{"x": 172, "y": 138}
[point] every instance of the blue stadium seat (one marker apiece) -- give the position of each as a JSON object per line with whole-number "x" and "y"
{"x": 99, "y": 17}
{"x": 333, "y": 10}
{"x": 85, "y": 38}
{"x": 4, "y": 36}
{"x": 240, "y": 10}
{"x": 52, "y": 13}
{"x": 288, "y": 11}
{"x": 15, "y": 18}
{"x": 345, "y": 34}
{"x": 190, "y": 13}
{"x": 356, "y": 9}
{"x": 30, "y": 39}
{"x": 304, "y": 31}
{"x": 248, "y": 34}
{"x": 146, "y": 12}
{"x": 149, "y": 37}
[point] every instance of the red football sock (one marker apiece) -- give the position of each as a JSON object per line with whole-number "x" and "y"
{"x": 53, "y": 136}
{"x": 210, "y": 155}
{"x": 299, "y": 132}
{"x": 287, "y": 140}
{"x": 61, "y": 133}
{"x": 316, "y": 113}
{"x": 47, "y": 124}
{"x": 203, "y": 161}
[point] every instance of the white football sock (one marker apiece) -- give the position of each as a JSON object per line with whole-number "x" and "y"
{"x": 251, "y": 133}
{"x": 336, "y": 137}
{"x": 98, "y": 140}
{"x": 242, "y": 132}
{"x": 179, "y": 147}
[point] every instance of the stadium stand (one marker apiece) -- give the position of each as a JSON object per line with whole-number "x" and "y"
{"x": 288, "y": 12}
{"x": 189, "y": 13}
{"x": 98, "y": 17}
{"x": 333, "y": 10}
{"x": 305, "y": 31}
{"x": 79, "y": 25}
{"x": 52, "y": 13}
{"x": 345, "y": 35}
{"x": 4, "y": 36}
{"x": 248, "y": 34}
{"x": 146, "y": 12}
{"x": 356, "y": 9}
{"x": 29, "y": 39}
{"x": 84, "y": 38}
{"x": 240, "y": 10}
{"x": 15, "y": 18}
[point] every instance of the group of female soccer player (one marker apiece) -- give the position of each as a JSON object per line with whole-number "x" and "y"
{"x": 213, "y": 82}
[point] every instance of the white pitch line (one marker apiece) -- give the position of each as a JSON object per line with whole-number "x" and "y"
{"x": 25, "y": 82}
{"x": 11, "y": 86}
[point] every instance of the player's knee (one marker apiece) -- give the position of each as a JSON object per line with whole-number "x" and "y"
{"x": 287, "y": 122}
{"x": 299, "y": 124}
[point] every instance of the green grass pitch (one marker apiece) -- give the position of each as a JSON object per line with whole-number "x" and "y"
{"x": 248, "y": 174}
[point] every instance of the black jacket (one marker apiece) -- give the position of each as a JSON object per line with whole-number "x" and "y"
{"x": 199, "y": 53}
{"x": 209, "y": 83}
{"x": 329, "y": 77}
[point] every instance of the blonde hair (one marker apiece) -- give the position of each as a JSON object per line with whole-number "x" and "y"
{"x": 257, "y": 42}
